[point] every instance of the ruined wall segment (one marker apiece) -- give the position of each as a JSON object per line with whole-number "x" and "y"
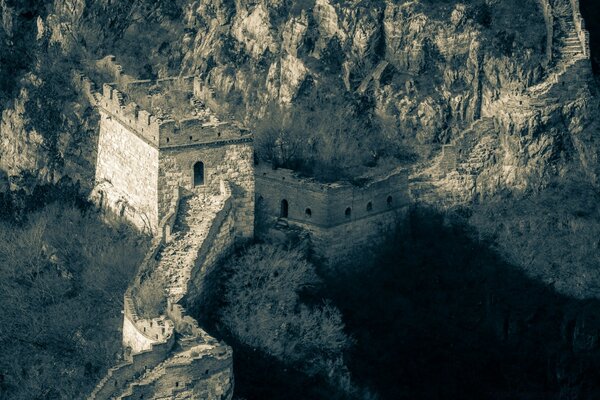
{"x": 341, "y": 219}
{"x": 220, "y": 241}
{"x": 140, "y": 334}
{"x": 154, "y": 135}
{"x": 582, "y": 33}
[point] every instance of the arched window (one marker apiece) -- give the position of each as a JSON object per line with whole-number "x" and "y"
{"x": 284, "y": 209}
{"x": 308, "y": 212}
{"x": 389, "y": 201}
{"x": 348, "y": 212}
{"x": 199, "y": 173}
{"x": 369, "y": 206}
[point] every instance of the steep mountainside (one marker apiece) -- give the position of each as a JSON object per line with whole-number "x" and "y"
{"x": 332, "y": 87}
{"x": 412, "y": 76}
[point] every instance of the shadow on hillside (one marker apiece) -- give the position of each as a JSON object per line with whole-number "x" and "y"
{"x": 438, "y": 315}
{"x": 441, "y": 316}
{"x": 590, "y": 9}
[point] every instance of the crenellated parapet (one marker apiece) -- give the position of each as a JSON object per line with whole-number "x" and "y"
{"x": 165, "y": 132}
{"x": 141, "y": 334}
{"x": 109, "y": 67}
{"x": 85, "y": 86}
{"x": 140, "y": 121}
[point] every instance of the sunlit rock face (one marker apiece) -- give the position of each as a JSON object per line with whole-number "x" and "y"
{"x": 428, "y": 69}
{"x": 446, "y": 66}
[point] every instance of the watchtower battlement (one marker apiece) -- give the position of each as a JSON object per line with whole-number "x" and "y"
{"x": 174, "y": 125}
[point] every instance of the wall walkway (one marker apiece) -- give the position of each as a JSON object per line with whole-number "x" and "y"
{"x": 182, "y": 359}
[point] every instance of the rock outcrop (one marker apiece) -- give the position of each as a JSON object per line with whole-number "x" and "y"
{"x": 428, "y": 70}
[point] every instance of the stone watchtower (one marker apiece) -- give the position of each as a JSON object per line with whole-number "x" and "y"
{"x": 157, "y": 137}
{"x": 166, "y": 162}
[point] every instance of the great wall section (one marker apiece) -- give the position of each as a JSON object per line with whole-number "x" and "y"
{"x": 453, "y": 176}
{"x": 189, "y": 179}
{"x": 189, "y": 182}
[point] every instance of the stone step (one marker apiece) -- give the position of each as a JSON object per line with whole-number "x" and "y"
{"x": 193, "y": 223}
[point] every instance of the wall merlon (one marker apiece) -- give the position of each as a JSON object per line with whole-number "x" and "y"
{"x": 167, "y": 132}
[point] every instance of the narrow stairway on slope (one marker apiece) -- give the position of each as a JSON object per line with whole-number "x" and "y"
{"x": 177, "y": 258}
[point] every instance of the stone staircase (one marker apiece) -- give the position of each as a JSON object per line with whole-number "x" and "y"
{"x": 569, "y": 59}
{"x": 177, "y": 259}
{"x": 197, "y": 212}
{"x": 476, "y": 146}
{"x": 147, "y": 378}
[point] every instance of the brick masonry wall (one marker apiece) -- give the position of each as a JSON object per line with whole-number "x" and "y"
{"x": 204, "y": 377}
{"x": 119, "y": 376}
{"x": 141, "y": 334}
{"x": 327, "y": 203}
{"x": 232, "y": 163}
{"x": 344, "y": 220}
{"x": 352, "y": 242}
{"x": 130, "y": 165}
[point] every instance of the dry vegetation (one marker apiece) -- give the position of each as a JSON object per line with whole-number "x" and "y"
{"x": 62, "y": 280}
{"x": 265, "y": 299}
{"x": 553, "y": 234}
{"x": 264, "y": 309}
{"x": 149, "y": 297}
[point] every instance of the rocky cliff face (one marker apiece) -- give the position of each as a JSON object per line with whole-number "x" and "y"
{"x": 436, "y": 62}
{"x": 423, "y": 71}
{"x": 46, "y": 128}
{"x": 427, "y": 71}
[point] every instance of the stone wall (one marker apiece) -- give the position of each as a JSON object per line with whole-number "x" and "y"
{"x": 162, "y": 132}
{"x": 140, "y": 122}
{"x": 352, "y": 242}
{"x": 119, "y": 376}
{"x": 232, "y": 163}
{"x": 328, "y": 205}
{"x": 203, "y": 377}
{"x": 582, "y": 33}
{"x": 141, "y": 334}
{"x": 109, "y": 66}
{"x": 201, "y": 367}
{"x": 130, "y": 166}
{"x": 86, "y": 87}
{"x": 342, "y": 220}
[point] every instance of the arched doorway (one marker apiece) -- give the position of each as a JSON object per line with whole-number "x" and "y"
{"x": 284, "y": 209}
{"x": 199, "y": 173}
